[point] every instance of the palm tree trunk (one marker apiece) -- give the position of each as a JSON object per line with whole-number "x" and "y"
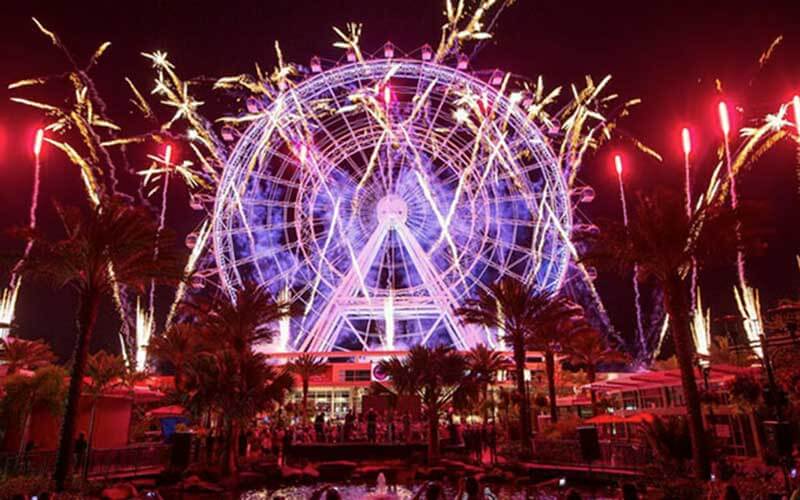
{"x": 591, "y": 376}
{"x": 231, "y": 465}
{"x": 524, "y": 404}
{"x": 305, "y": 401}
{"x": 26, "y": 425}
{"x": 87, "y": 317}
{"x": 550, "y": 369}
{"x": 676, "y": 302}
{"x": 433, "y": 436}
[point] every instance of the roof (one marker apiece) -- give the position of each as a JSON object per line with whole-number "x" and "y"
{"x": 664, "y": 378}
{"x": 610, "y": 418}
{"x": 167, "y": 411}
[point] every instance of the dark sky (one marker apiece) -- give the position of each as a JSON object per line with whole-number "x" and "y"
{"x": 666, "y": 52}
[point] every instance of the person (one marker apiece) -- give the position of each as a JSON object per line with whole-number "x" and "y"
{"x": 372, "y": 421}
{"x": 431, "y": 491}
{"x": 390, "y": 429}
{"x": 349, "y": 420}
{"x": 731, "y": 493}
{"x": 319, "y": 427}
{"x": 407, "y": 427}
{"x": 629, "y": 492}
{"x": 470, "y": 489}
{"x": 491, "y": 441}
{"x": 80, "y": 451}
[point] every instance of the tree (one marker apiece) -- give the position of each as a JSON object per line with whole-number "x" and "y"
{"x": 239, "y": 386}
{"x": 113, "y": 245}
{"x": 662, "y": 241}
{"x": 23, "y": 393}
{"x": 556, "y": 321}
{"x": 519, "y": 311}
{"x": 306, "y": 366}
{"x": 176, "y": 347}
{"x": 226, "y": 376}
{"x": 20, "y": 354}
{"x": 240, "y": 322}
{"x": 484, "y": 363}
{"x": 587, "y": 349}
{"x": 433, "y": 374}
{"x": 106, "y": 372}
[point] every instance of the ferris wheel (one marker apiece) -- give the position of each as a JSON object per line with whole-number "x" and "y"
{"x": 381, "y": 194}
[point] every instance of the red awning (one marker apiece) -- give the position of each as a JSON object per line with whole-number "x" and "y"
{"x": 167, "y": 411}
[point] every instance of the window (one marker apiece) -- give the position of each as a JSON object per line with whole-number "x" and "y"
{"x": 356, "y": 376}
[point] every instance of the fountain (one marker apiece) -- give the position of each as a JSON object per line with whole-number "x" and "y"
{"x": 381, "y": 490}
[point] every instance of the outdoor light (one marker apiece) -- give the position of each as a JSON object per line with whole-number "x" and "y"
{"x": 562, "y": 482}
{"x": 724, "y": 119}
{"x": 37, "y": 143}
{"x": 316, "y": 65}
{"x": 496, "y": 78}
{"x": 351, "y": 56}
{"x": 388, "y": 50}
{"x": 192, "y": 134}
{"x": 687, "y": 141}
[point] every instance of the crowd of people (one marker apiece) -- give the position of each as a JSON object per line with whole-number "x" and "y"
{"x": 276, "y": 435}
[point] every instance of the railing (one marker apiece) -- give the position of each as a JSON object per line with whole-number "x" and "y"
{"x": 612, "y": 455}
{"x": 102, "y": 462}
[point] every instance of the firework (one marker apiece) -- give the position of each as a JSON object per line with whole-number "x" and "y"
{"x": 641, "y": 340}
{"x": 749, "y": 305}
{"x": 144, "y": 330}
{"x": 576, "y": 125}
{"x": 701, "y": 329}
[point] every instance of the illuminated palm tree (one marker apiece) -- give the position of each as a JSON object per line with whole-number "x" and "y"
{"x": 242, "y": 322}
{"x": 23, "y": 354}
{"x": 306, "y": 366}
{"x": 524, "y": 315}
{"x": 484, "y": 364}
{"x": 587, "y": 349}
{"x": 662, "y": 241}
{"x": 435, "y": 375}
{"x": 112, "y": 245}
{"x": 176, "y": 347}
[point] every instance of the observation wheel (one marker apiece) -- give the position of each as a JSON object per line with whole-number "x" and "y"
{"x": 380, "y": 195}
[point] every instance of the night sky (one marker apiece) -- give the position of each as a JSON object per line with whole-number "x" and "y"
{"x": 666, "y": 52}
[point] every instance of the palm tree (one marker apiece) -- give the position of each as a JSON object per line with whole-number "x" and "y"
{"x": 23, "y": 393}
{"x": 112, "y": 245}
{"x": 228, "y": 330}
{"x": 19, "y": 354}
{"x": 242, "y": 322}
{"x": 239, "y": 386}
{"x": 662, "y": 241}
{"x": 306, "y": 366}
{"x": 556, "y": 321}
{"x": 175, "y": 346}
{"x": 484, "y": 363}
{"x": 587, "y": 349}
{"x": 519, "y": 311}
{"x": 433, "y": 374}
{"x": 105, "y": 371}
